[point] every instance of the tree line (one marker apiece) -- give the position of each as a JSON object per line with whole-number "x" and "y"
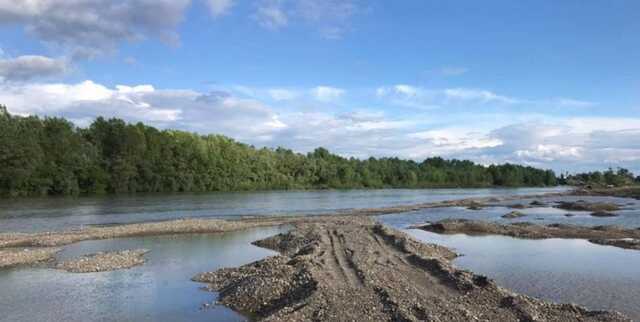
{"x": 51, "y": 156}
{"x": 619, "y": 177}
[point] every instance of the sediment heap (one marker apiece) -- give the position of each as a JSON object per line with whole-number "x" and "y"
{"x": 352, "y": 269}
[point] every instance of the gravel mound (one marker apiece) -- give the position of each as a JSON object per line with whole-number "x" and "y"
{"x": 104, "y": 261}
{"x": 351, "y": 269}
{"x": 26, "y": 256}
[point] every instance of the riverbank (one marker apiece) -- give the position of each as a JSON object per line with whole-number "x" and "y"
{"x": 104, "y": 261}
{"x": 11, "y": 257}
{"x": 623, "y": 192}
{"x": 35, "y": 242}
{"x": 603, "y": 235}
{"x": 351, "y": 268}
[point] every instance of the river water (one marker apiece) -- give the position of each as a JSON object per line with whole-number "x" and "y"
{"x": 41, "y": 214}
{"x": 562, "y": 270}
{"x": 159, "y": 290}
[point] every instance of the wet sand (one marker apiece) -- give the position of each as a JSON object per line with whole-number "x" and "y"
{"x": 352, "y": 269}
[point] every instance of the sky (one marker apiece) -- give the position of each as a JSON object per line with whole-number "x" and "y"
{"x": 552, "y": 84}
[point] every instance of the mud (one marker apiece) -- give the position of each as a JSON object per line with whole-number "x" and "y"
{"x": 352, "y": 269}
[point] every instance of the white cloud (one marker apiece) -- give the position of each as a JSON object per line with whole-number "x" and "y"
{"x": 330, "y": 17}
{"x": 406, "y": 90}
{"x": 327, "y": 93}
{"x": 415, "y": 97}
{"x": 220, "y": 7}
{"x": 91, "y": 27}
{"x": 280, "y": 94}
{"x": 456, "y": 138}
{"x": 215, "y": 112}
{"x": 476, "y": 95}
{"x": 575, "y": 143}
{"x": 271, "y": 15}
{"x": 30, "y": 67}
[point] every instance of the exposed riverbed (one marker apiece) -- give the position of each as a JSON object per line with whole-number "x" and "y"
{"x": 598, "y": 277}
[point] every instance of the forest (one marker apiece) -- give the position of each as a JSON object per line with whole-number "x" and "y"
{"x": 51, "y": 156}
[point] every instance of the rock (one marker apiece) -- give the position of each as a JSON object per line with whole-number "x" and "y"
{"x": 582, "y": 205}
{"x": 603, "y": 214}
{"x": 513, "y": 215}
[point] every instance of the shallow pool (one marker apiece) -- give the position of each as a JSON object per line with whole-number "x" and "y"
{"x": 560, "y": 270}
{"x": 160, "y": 290}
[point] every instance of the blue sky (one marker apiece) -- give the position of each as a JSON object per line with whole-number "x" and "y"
{"x": 547, "y": 83}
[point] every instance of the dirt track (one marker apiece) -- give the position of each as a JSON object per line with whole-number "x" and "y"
{"x": 351, "y": 269}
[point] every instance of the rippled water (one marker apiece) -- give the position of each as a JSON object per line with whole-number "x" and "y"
{"x": 159, "y": 290}
{"x": 67, "y": 213}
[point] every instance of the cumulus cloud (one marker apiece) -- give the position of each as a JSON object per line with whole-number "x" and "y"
{"x": 214, "y": 112}
{"x": 91, "y": 27}
{"x": 24, "y": 68}
{"x": 327, "y": 93}
{"x": 575, "y": 143}
{"x": 569, "y": 145}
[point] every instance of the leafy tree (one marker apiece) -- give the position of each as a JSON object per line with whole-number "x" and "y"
{"x": 51, "y": 156}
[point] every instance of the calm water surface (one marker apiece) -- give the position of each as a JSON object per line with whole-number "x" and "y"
{"x": 68, "y": 213}
{"x": 159, "y": 290}
{"x": 560, "y": 270}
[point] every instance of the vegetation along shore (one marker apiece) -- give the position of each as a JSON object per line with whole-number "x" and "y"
{"x": 51, "y": 156}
